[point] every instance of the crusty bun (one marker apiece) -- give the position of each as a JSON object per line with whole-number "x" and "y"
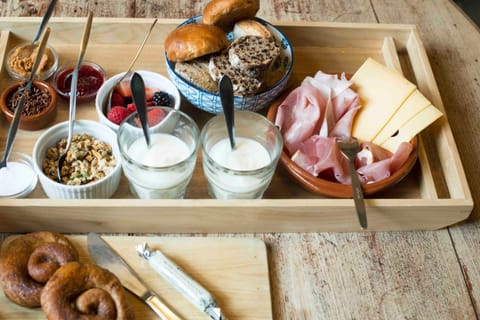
{"x": 250, "y": 27}
{"x": 224, "y": 13}
{"x": 193, "y": 40}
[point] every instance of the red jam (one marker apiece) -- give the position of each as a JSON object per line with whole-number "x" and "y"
{"x": 89, "y": 81}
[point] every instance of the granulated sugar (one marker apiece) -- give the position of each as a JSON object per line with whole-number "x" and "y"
{"x": 15, "y": 178}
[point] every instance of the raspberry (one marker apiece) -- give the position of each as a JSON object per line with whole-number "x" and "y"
{"x": 162, "y": 98}
{"x": 131, "y": 107}
{"x": 117, "y": 114}
{"x": 117, "y": 100}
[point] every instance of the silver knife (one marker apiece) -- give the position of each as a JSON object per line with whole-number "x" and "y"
{"x": 107, "y": 258}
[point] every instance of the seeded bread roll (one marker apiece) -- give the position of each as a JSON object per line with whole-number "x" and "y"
{"x": 250, "y": 52}
{"x": 250, "y": 27}
{"x": 244, "y": 84}
{"x": 193, "y": 40}
{"x": 196, "y": 72}
{"x": 224, "y": 13}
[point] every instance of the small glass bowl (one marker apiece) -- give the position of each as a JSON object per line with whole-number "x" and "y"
{"x": 20, "y": 174}
{"x": 91, "y": 77}
{"x": 43, "y": 74}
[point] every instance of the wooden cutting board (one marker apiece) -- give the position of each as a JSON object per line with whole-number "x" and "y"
{"x": 234, "y": 270}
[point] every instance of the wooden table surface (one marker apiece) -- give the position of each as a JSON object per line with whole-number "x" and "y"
{"x": 371, "y": 275}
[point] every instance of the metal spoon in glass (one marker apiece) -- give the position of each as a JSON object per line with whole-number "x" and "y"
{"x": 138, "y": 95}
{"x": 108, "y": 103}
{"x": 226, "y": 96}
{"x": 73, "y": 94}
{"x": 12, "y": 131}
{"x": 349, "y": 148}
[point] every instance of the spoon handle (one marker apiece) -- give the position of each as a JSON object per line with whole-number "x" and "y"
{"x": 73, "y": 86}
{"x": 138, "y": 94}
{"x": 12, "y": 131}
{"x": 44, "y": 22}
{"x": 226, "y": 96}
{"x": 139, "y": 50}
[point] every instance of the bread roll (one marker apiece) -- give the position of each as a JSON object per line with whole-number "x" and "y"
{"x": 244, "y": 82}
{"x": 250, "y": 27}
{"x": 250, "y": 52}
{"x": 196, "y": 72}
{"x": 225, "y": 13}
{"x": 193, "y": 40}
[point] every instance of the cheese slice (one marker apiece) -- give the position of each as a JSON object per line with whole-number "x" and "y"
{"x": 410, "y": 108}
{"x": 412, "y": 127}
{"x": 382, "y": 91}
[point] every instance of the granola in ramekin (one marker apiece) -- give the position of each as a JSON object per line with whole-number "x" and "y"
{"x": 87, "y": 160}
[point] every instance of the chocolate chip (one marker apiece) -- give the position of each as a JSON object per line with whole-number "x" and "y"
{"x": 35, "y": 101}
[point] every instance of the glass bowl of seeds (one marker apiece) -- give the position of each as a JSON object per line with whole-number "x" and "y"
{"x": 40, "y": 106}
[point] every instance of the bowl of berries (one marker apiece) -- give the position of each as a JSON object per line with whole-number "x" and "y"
{"x": 111, "y": 111}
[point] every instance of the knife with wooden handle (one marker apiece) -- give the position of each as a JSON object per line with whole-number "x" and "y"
{"x": 107, "y": 258}
{"x": 180, "y": 280}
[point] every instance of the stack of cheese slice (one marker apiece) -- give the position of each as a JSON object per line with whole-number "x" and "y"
{"x": 393, "y": 110}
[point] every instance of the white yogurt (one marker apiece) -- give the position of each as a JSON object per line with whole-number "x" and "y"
{"x": 248, "y": 154}
{"x": 15, "y": 178}
{"x": 165, "y": 151}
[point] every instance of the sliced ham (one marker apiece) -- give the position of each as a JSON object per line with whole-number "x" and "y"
{"x": 299, "y": 115}
{"x": 384, "y": 168}
{"x": 318, "y": 154}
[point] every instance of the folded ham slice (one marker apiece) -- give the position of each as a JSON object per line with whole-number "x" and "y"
{"x": 320, "y": 110}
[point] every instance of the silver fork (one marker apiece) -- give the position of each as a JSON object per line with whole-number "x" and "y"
{"x": 349, "y": 148}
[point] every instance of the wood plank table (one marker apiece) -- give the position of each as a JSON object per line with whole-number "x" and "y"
{"x": 371, "y": 275}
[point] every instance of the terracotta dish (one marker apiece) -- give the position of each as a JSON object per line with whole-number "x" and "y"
{"x": 330, "y": 188}
{"x": 34, "y": 121}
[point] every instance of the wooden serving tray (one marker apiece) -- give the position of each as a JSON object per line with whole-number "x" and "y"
{"x": 434, "y": 195}
{"x": 234, "y": 270}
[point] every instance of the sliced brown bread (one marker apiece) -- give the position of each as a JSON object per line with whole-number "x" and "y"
{"x": 197, "y": 72}
{"x": 251, "y": 52}
{"x": 244, "y": 82}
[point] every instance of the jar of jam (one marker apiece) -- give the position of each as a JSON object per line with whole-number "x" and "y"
{"x": 90, "y": 78}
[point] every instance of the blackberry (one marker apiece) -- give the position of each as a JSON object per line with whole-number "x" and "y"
{"x": 161, "y": 98}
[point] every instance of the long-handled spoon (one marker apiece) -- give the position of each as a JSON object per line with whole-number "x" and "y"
{"x": 108, "y": 104}
{"x": 225, "y": 89}
{"x": 138, "y": 95}
{"x": 349, "y": 148}
{"x": 12, "y": 131}
{"x": 44, "y": 22}
{"x": 73, "y": 94}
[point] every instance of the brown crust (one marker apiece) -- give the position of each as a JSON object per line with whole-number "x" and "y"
{"x": 225, "y": 13}
{"x": 193, "y": 40}
{"x": 28, "y": 261}
{"x": 85, "y": 291}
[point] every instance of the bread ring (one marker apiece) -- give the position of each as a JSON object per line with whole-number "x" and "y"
{"x": 84, "y": 291}
{"x": 27, "y": 262}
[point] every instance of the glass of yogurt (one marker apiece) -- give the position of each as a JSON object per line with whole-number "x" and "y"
{"x": 246, "y": 171}
{"x": 164, "y": 169}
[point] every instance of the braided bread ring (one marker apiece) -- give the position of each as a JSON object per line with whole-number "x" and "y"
{"x": 84, "y": 291}
{"x": 27, "y": 262}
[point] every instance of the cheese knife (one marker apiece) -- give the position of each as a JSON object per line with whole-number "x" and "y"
{"x": 107, "y": 258}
